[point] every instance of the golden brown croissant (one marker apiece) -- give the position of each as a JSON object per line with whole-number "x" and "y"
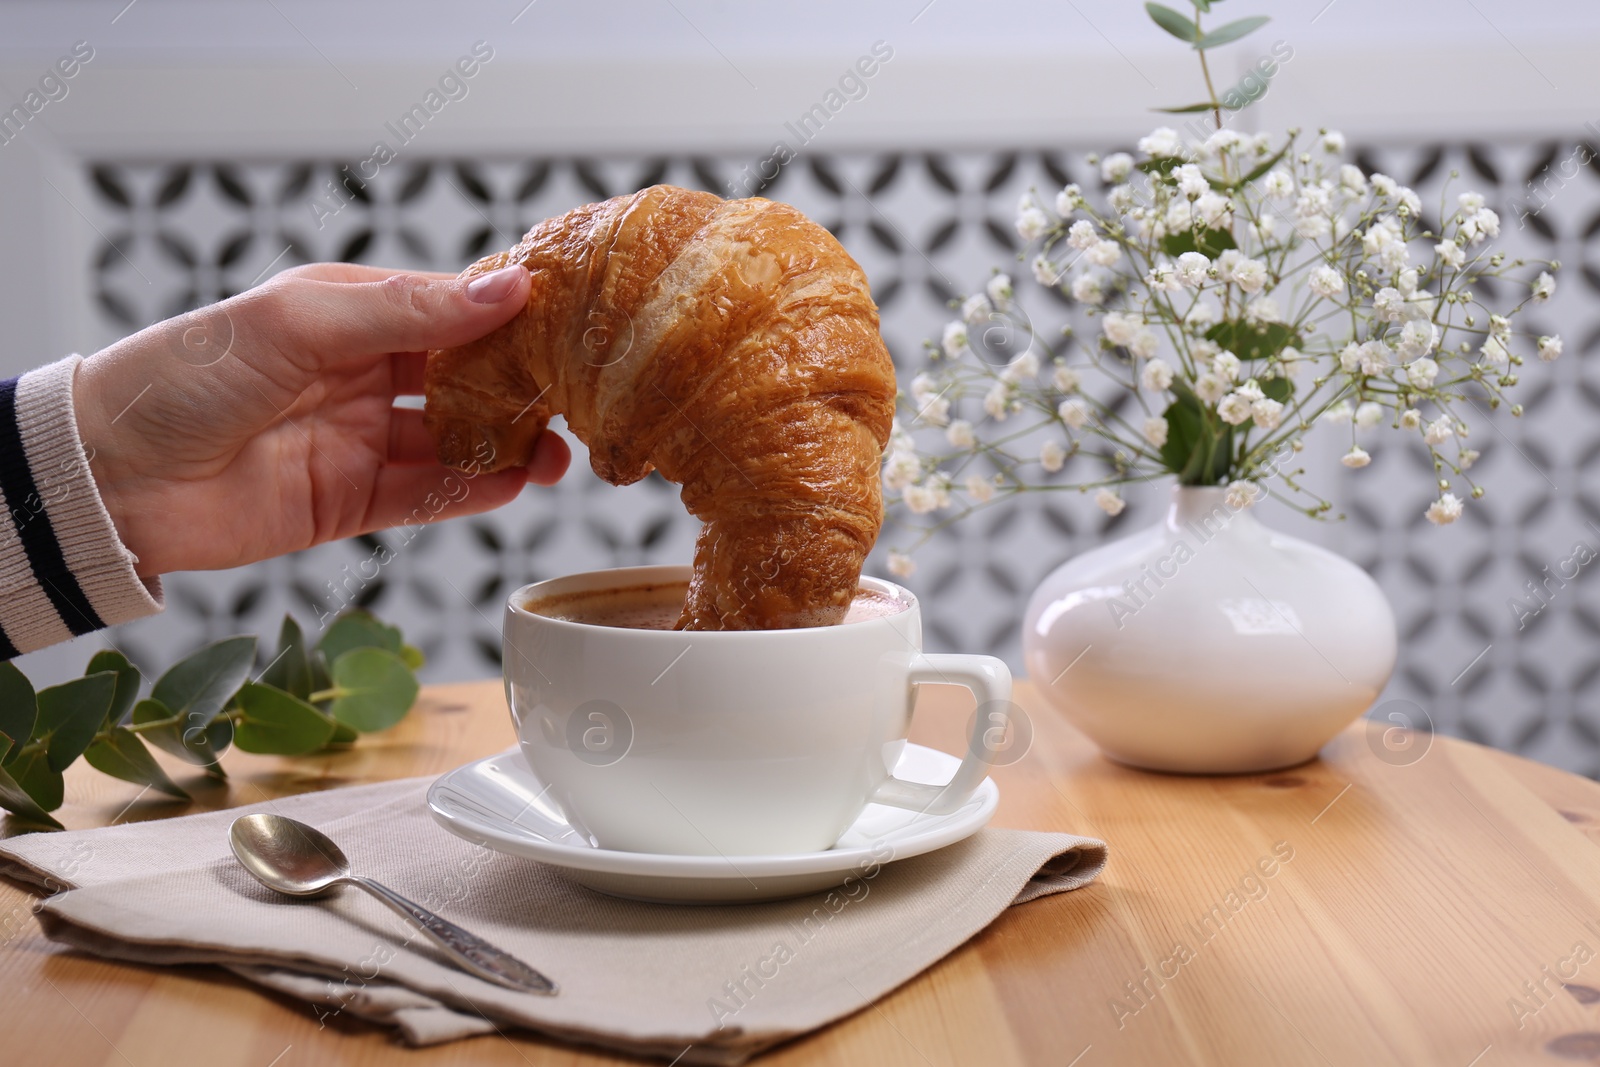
{"x": 731, "y": 345}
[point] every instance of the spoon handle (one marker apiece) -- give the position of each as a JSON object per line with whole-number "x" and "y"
{"x": 470, "y": 951}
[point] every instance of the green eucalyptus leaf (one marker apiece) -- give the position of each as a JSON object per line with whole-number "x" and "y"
{"x": 377, "y": 689}
{"x": 1177, "y": 25}
{"x": 19, "y": 709}
{"x": 1246, "y": 91}
{"x": 290, "y": 669}
{"x": 15, "y": 799}
{"x": 122, "y": 755}
{"x": 71, "y": 713}
{"x": 343, "y": 736}
{"x": 169, "y": 737}
{"x": 279, "y": 723}
{"x": 1176, "y": 244}
{"x": 128, "y": 679}
{"x": 199, "y": 686}
{"x": 192, "y": 738}
{"x": 1163, "y": 165}
{"x": 1211, "y": 242}
{"x": 1195, "y": 452}
{"x": 1181, "y": 452}
{"x": 1249, "y": 340}
{"x": 1217, "y": 454}
{"x": 218, "y": 738}
{"x": 319, "y": 673}
{"x": 1279, "y": 389}
{"x": 1222, "y": 456}
{"x": 413, "y": 657}
{"x": 358, "y": 629}
{"x": 34, "y": 775}
{"x": 1231, "y": 32}
{"x": 1261, "y": 168}
{"x": 1188, "y": 109}
{"x": 1203, "y": 6}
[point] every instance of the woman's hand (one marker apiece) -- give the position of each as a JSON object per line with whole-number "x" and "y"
{"x": 266, "y": 423}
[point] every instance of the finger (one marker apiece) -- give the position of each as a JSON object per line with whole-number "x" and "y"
{"x": 406, "y": 373}
{"x": 401, "y": 313}
{"x": 420, "y": 495}
{"x": 351, "y": 272}
{"x": 409, "y": 440}
{"x": 551, "y": 457}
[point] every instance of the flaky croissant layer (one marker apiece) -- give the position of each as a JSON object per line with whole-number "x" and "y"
{"x": 731, "y": 345}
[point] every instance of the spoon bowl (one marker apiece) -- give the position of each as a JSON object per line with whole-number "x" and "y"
{"x": 288, "y": 856}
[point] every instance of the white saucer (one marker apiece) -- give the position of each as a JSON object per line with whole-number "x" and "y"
{"x": 499, "y": 803}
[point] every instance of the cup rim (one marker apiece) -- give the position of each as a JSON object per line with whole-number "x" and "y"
{"x": 611, "y": 577}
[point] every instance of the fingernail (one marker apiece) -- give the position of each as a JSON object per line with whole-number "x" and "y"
{"x": 494, "y": 287}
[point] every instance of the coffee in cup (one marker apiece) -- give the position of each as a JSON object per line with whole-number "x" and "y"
{"x": 658, "y": 605}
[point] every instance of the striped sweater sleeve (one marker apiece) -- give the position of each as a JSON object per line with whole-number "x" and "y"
{"x": 63, "y": 569}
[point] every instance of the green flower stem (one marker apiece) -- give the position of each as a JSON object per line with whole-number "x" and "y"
{"x": 1211, "y": 91}
{"x": 1016, "y": 489}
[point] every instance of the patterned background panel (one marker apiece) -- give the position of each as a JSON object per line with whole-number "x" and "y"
{"x": 1481, "y": 655}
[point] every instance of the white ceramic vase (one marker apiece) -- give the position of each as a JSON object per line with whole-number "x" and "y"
{"x": 1209, "y": 644}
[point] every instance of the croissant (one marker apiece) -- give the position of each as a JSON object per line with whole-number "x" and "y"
{"x": 731, "y": 345}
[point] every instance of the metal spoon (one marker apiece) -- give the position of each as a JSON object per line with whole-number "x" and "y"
{"x": 301, "y": 861}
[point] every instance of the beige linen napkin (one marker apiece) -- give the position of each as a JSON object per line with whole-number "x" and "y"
{"x": 705, "y": 984}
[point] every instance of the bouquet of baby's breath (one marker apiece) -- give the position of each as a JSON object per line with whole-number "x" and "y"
{"x": 1242, "y": 289}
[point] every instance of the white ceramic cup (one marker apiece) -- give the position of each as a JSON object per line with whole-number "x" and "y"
{"x": 750, "y": 742}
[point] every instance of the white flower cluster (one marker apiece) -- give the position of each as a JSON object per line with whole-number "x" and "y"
{"x": 1243, "y": 291}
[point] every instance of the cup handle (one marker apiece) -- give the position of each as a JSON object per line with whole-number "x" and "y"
{"x": 990, "y": 681}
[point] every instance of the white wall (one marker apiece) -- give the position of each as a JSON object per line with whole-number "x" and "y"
{"x": 267, "y": 77}
{"x": 263, "y": 76}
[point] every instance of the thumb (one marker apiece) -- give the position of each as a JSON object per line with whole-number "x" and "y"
{"x": 400, "y": 313}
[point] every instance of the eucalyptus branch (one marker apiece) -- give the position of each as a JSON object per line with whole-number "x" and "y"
{"x": 359, "y": 677}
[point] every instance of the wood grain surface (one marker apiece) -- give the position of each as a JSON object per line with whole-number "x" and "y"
{"x": 1392, "y": 902}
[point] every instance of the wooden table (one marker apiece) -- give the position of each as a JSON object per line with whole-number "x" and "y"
{"x": 1433, "y": 910}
